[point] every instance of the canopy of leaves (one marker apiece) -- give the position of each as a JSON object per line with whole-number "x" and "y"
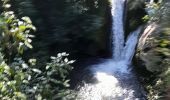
{"x": 20, "y": 79}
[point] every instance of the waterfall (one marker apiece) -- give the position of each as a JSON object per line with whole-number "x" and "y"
{"x": 151, "y": 1}
{"x": 117, "y": 27}
{"x": 130, "y": 45}
{"x": 115, "y": 79}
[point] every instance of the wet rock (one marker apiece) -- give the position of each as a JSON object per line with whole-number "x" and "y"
{"x": 152, "y": 62}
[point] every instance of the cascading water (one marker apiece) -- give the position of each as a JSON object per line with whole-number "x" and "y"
{"x": 115, "y": 80}
{"x": 117, "y": 28}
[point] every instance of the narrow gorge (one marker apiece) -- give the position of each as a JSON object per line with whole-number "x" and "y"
{"x": 114, "y": 77}
{"x": 84, "y": 49}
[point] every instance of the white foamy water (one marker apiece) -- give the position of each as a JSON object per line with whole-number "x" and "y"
{"x": 117, "y": 27}
{"x": 115, "y": 80}
{"x": 129, "y": 49}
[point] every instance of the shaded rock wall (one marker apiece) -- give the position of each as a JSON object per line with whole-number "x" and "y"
{"x": 134, "y": 13}
{"x": 153, "y": 57}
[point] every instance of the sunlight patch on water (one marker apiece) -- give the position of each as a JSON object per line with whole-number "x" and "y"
{"x": 108, "y": 86}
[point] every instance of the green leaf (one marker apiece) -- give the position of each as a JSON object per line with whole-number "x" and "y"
{"x": 28, "y": 44}
{"x": 22, "y": 28}
{"x": 37, "y": 71}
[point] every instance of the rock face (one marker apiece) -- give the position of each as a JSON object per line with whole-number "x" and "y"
{"x": 134, "y": 13}
{"x": 152, "y": 57}
{"x": 153, "y": 60}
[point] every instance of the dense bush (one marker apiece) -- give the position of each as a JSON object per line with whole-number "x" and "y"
{"x": 20, "y": 79}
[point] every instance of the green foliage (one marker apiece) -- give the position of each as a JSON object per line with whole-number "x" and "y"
{"x": 153, "y": 11}
{"x": 158, "y": 11}
{"x": 52, "y": 83}
{"x": 22, "y": 80}
{"x": 14, "y": 35}
{"x": 13, "y": 79}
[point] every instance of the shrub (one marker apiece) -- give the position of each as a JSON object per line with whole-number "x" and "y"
{"x": 20, "y": 79}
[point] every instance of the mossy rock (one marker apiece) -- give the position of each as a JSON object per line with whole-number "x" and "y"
{"x": 135, "y": 12}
